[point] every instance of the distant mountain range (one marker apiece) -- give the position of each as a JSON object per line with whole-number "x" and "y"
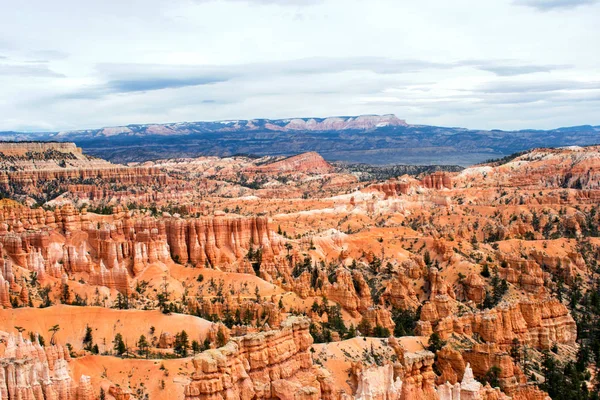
{"x": 371, "y": 139}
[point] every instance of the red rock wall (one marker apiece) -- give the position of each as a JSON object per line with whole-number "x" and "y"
{"x": 266, "y": 365}
{"x": 538, "y": 324}
{"x": 220, "y": 241}
{"x": 29, "y": 371}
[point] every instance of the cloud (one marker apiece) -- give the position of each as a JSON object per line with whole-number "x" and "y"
{"x": 273, "y": 2}
{"x": 511, "y": 67}
{"x": 230, "y": 59}
{"x": 141, "y": 85}
{"x": 48, "y": 54}
{"x": 536, "y": 87}
{"x": 547, "y": 5}
{"x": 130, "y": 77}
{"x": 514, "y": 70}
{"x": 29, "y": 70}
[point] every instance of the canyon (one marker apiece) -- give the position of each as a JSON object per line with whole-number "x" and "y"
{"x": 288, "y": 277}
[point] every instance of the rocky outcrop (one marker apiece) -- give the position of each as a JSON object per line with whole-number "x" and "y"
{"x": 538, "y": 324}
{"x": 482, "y": 357}
{"x": 349, "y": 290}
{"x": 395, "y": 187}
{"x": 469, "y": 389}
{"x": 56, "y": 166}
{"x": 222, "y": 242}
{"x": 266, "y": 365}
{"x": 571, "y": 167}
{"x": 40, "y": 150}
{"x": 311, "y": 163}
{"x": 411, "y": 377}
{"x": 442, "y": 300}
{"x": 29, "y": 371}
{"x": 131, "y": 243}
{"x": 111, "y": 253}
{"x": 399, "y": 291}
{"x": 475, "y": 287}
{"x": 7, "y": 279}
{"x": 379, "y": 316}
{"x": 248, "y": 311}
{"x": 437, "y": 180}
{"x": 377, "y": 383}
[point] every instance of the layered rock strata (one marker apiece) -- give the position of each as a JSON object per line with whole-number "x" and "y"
{"x": 29, "y": 371}
{"x": 538, "y": 324}
{"x": 266, "y": 365}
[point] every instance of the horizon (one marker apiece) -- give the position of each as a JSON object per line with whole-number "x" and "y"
{"x": 292, "y": 118}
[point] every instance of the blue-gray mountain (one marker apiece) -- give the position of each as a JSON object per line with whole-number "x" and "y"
{"x": 372, "y": 139}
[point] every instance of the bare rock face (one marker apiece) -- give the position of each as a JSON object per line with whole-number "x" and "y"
{"x": 29, "y": 371}
{"x": 350, "y": 290}
{"x": 214, "y": 331}
{"x": 538, "y": 324}
{"x": 574, "y": 167}
{"x": 474, "y": 286}
{"x": 469, "y": 389}
{"x": 400, "y": 292}
{"x": 525, "y": 273}
{"x": 417, "y": 376}
{"x": 442, "y": 300}
{"x": 273, "y": 364}
{"x": 437, "y": 180}
{"x": 412, "y": 378}
{"x": 165, "y": 341}
{"x": 311, "y": 163}
{"x": 395, "y": 187}
{"x": 119, "y": 393}
{"x": 377, "y": 383}
{"x": 221, "y": 241}
{"x": 144, "y": 241}
{"x": 62, "y": 162}
{"x": 379, "y": 316}
{"x": 259, "y": 314}
{"x": 481, "y": 357}
{"x": 116, "y": 278}
{"x": 4, "y": 292}
{"x": 111, "y": 253}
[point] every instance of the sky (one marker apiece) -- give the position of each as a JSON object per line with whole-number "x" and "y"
{"x": 493, "y": 64}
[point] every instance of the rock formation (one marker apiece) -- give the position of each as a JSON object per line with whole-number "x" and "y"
{"x": 221, "y": 241}
{"x": 310, "y": 162}
{"x": 29, "y": 371}
{"x": 273, "y": 364}
{"x": 538, "y": 324}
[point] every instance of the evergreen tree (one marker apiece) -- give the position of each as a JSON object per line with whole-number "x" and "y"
{"x": 435, "y": 343}
{"x": 182, "y": 344}
{"x": 143, "y": 345}
{"x": 119, "y": 345}
{"x": 88, "y": 339}
{"x": 65, "y": 294}
{"x": 364, "y": 327}
{"x": 196, "y": 347}
{"x": 221, "y": 340}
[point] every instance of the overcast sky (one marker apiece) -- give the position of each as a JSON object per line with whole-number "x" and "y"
{"x": 507, "y": 64}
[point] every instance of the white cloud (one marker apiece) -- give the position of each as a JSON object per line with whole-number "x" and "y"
{"x": 546, "y": 5}
{"x": 492, "y": 64}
